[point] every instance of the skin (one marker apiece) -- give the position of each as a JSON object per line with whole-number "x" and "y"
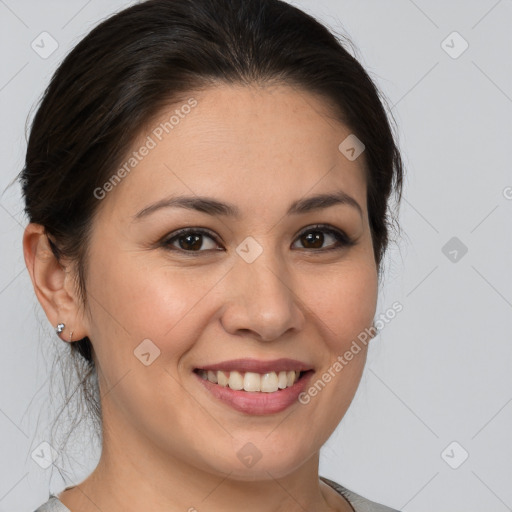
{"x": 167, "y": 443}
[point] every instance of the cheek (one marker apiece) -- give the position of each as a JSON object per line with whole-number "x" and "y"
{"x": 345, "y": 301}
{"x": 171, "y": 305}
{"x": 133, "y": 300}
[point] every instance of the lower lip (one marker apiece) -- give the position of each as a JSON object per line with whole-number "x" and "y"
{"x": 257, "y": 402}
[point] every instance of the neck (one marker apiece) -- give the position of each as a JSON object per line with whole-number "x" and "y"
{"x": 132, "y": 476}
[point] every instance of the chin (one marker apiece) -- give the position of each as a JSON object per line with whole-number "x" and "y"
{"x": 252, "y": 464}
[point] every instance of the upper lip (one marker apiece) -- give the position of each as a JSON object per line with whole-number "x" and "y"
{"x": 258, "y": 366}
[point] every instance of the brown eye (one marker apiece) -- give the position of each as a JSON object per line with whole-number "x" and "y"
{"x": 313, "y": 239}
{"x": 316, "y": 236}
{"x": 198, "y": 240}
{"x": 190, "y": 240}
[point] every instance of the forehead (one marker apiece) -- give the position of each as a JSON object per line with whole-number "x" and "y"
{"x": 239, "y": 142}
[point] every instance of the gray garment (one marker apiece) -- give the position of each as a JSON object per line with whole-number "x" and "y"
{"x": 358, "y": 503}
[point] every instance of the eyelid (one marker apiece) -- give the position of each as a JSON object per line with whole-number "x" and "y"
{"x": 343, "y": 241}
{"x": 340, "y": 235}
{"x": 323, "y": 227}
{"x": 165, "y": 242}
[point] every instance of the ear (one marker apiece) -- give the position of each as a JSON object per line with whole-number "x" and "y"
{"x": 54, "y": 283}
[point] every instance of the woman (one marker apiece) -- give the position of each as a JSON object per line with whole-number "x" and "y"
{"x": 207, "y": 185}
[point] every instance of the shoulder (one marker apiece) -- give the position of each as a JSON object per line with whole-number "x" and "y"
{"x": 53, "y": 505}
{"x": 358, "y": 503}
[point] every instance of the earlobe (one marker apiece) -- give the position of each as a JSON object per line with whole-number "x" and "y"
{"x": 60, "y": 327}
{"x": 52, "y": 282}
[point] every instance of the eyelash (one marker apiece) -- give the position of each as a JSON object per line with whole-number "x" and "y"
{"x": 342, "y": 240}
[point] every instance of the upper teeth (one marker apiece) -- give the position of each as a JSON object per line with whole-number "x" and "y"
{"x": 250, "y": 381}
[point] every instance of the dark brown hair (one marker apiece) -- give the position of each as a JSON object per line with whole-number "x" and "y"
{"x": 152, "y": 54}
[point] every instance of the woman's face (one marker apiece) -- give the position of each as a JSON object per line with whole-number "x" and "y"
{"x": 262, "y": 285}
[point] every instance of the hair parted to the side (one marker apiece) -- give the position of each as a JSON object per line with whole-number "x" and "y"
{"x": 156, "y": 53}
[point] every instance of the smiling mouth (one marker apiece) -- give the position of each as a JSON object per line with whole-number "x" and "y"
{"x": 269, "y": 382}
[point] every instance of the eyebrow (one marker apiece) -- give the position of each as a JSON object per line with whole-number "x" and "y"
{"x": 214, "y": 207}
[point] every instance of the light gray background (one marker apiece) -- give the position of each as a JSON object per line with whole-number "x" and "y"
{"x": 441, "y": 370}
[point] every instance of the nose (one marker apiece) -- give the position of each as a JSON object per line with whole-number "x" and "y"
{"x": 261, "y": 301}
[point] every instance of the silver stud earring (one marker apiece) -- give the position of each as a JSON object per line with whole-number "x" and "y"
{"x": 60, "y": 328}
